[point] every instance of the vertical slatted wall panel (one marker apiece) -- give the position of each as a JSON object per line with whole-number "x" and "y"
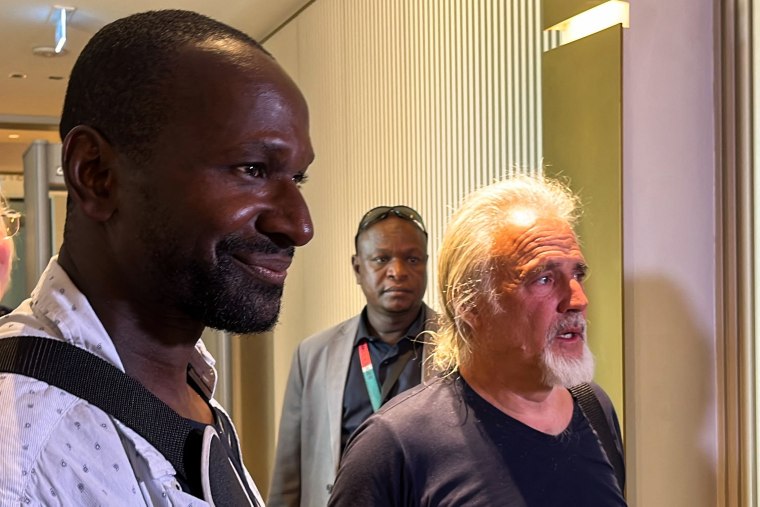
{"x": 414, "y": 102}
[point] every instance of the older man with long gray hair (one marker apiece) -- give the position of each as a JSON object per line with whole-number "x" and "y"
{"x": 514, "y": 420}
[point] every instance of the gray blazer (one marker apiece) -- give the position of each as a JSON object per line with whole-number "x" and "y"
{"x": 308, "y": 447}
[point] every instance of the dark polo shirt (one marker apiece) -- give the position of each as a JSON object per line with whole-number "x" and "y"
{"x": 356, "y": 404}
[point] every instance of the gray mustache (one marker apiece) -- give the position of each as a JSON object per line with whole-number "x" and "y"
{"x": 571, "y": 321}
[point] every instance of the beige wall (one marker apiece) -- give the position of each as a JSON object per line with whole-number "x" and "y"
{"x": 12, "y": 157}
{"x": 669, "y": 210}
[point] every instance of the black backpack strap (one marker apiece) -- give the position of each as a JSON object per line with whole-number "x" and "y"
{"x": 89, "y": 377}
{"x": 394, "y": 372}
{"x": 586, "y": 397}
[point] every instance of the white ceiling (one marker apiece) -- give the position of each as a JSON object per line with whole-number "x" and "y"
{"x": 29, "y": 106}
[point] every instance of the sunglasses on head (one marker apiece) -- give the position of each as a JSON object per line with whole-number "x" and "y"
{"x": 380, "y": 213}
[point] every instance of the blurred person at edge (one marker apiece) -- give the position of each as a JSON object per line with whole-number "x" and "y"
{"x": 11, "y": 222}
{"x": 501, "y": 428}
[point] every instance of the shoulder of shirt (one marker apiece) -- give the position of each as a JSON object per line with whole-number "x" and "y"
{"x": 600, "y": 393}
{"x": 410, "y": 402}
{"x": 37, "y": 414}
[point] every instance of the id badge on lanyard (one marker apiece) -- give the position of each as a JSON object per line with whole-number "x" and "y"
{"x": 373, "y": 388}
{"x": 376, "y": 395}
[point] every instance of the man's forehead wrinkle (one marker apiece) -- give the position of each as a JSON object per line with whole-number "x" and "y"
{"x": 522, "y": 249}
{"x": 541, "y": 249}
{"x": 522, "y": 242}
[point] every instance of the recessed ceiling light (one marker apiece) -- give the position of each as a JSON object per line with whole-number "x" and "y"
{"x": 55, "y": 78}
{"x": 17, "y": 75}
{"x": 48, "y": 51}
{"x": 13, "y": 136}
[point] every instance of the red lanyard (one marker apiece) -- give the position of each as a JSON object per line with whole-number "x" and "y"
{"x": 373, "y": 388}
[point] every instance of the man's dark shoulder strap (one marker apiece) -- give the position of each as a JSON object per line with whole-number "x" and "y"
{"x": 592, "y": 408}
{"x": 89, "y": 377}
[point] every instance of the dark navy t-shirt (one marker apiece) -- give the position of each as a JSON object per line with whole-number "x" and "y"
{"x": 444, "y": 445}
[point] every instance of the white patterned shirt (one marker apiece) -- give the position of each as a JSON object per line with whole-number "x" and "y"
{"x": 57, "y": 449}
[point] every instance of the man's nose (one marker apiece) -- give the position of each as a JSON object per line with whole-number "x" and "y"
{"x": 287, "y": 222}
{"x": 575, "y": 298}
{"x": 396, "y": 269}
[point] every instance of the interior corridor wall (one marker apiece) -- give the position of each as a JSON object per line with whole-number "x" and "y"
{"x": 415, "y": 103}
{"x": 669, "y": 253}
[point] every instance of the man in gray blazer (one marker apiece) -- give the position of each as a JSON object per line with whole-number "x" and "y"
{"x": 340, "y": 376}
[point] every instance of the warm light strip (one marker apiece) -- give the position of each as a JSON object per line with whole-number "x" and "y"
{"x": 592, "y": 21}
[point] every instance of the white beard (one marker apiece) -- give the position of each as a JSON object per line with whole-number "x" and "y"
{"x": 560, "y": 370}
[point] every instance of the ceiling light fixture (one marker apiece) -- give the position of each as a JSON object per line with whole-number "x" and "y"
{"x": 13, "y": 136}
{"x": 61, "y": 15}
{"x": 47, "y": 51}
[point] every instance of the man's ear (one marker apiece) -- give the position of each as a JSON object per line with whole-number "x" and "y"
{"x": 89, "y": 168}
{"x": 471, "y": 317}
{"x": 469, "y": 314}
{"x": 355, "y": 266}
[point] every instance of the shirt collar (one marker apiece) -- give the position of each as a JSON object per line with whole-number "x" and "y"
{"x": 416, "y": 327}
{"x": 66, "y": 314}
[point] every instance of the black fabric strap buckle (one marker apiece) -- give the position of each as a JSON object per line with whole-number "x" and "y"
{"x": 394, "y": 372}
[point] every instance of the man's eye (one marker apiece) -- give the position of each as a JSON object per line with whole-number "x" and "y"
{"x": 254, "y": 170}
{"x": 380, "y": 260}
{"x": 300, "y": 178}
{"x": 543, "y": 280}
{"x": 580, "y": 276}
{"x": 414, "y": 260}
